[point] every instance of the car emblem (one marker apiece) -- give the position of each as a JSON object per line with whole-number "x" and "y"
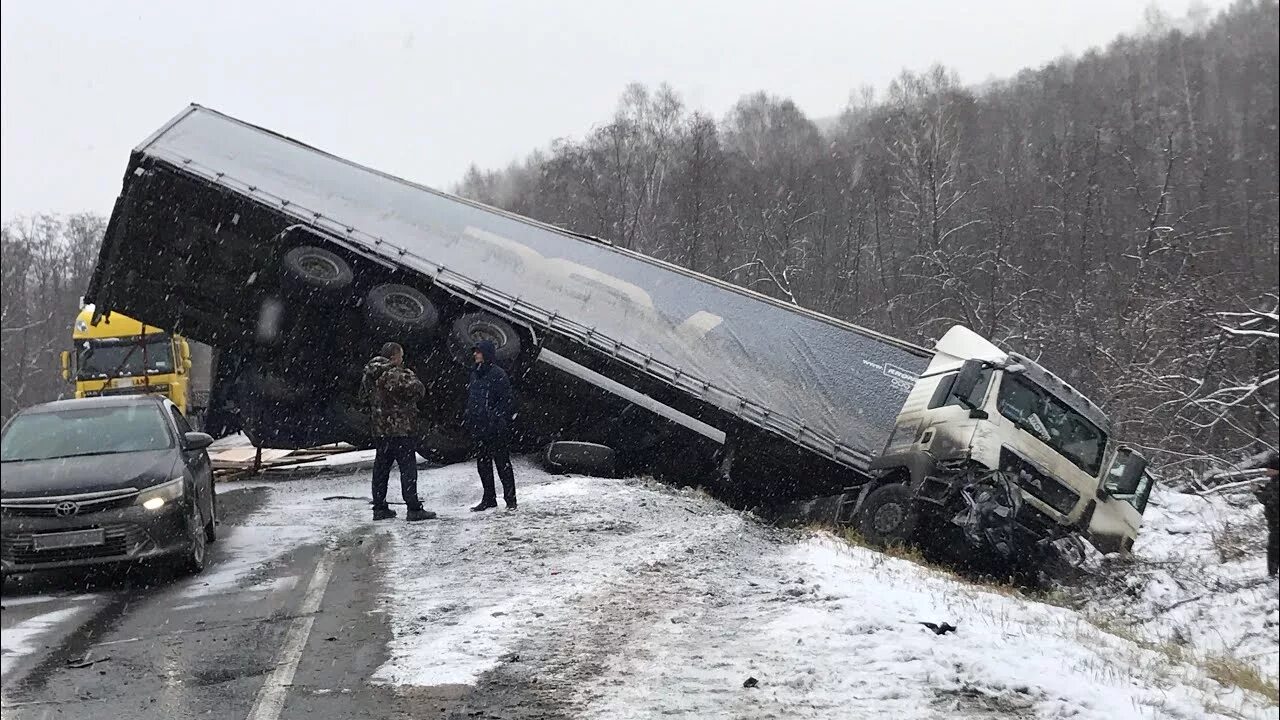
{"x": 66, "y": 508}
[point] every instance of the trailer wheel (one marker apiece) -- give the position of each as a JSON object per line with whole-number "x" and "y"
{"x": 888, "y": 516}
{"x": 310, "y": 269}
{"x": 400, "y": 309}
{"x": 474, "y": 327}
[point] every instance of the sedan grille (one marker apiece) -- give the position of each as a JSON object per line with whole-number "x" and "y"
{"x": 122, "y": 540}
{"x": 85, "y": 503}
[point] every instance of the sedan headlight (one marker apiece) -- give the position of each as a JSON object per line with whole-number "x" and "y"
{"x": 154, "y": 498}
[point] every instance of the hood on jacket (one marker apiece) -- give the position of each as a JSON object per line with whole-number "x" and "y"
{"x": 487, "y": 350}
{"x": 376, "y": 367}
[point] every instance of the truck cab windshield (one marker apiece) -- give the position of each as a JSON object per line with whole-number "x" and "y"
{"x": 124, "y": 357}
{"x": 1039, "y": 413}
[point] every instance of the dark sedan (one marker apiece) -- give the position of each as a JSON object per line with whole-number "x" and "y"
{"x": 103, "y": 480}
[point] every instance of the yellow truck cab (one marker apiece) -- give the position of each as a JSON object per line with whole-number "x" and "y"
{"x": 122, "y": 356}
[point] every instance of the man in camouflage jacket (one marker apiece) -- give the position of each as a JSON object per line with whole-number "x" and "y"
{"x": 393, "y": 392}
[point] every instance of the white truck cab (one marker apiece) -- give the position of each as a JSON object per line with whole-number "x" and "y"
{"x": 981, "y": 417}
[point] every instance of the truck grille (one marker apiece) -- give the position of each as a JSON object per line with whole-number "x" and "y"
{"x": 1037, "y": 484}
{"x": 135, "y": 390}
{"x": 123, "y": 539}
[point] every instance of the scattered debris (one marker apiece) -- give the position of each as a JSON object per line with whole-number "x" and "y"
{"x": 750, "y": 683}
{"x": 86, "y": 661}
{"x": 235, "y": 462}
{"x": 942, "y": 629}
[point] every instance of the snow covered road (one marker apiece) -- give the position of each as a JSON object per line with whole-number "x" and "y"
{"x": 627, "y": 599}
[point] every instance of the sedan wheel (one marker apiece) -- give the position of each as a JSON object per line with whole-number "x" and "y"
{"x": 193, "y": 562}
{"x": 211, "y": 527}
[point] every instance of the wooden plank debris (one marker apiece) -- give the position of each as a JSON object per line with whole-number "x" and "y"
{"x": 240, "y": 461}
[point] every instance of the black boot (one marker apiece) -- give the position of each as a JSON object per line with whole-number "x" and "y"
{"x": 383, "y": 513}
{"x": 485, "y": 505}
{"x": 511, "y": 504}
{"x": 419, "y": 514}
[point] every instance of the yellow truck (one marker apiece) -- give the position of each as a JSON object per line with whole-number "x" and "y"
{"x": 122, "y": 356}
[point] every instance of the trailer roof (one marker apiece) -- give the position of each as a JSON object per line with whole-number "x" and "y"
{"x": 828, "y": 383}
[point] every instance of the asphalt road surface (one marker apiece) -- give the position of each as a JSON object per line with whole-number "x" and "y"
{"x": 143, "y": 644}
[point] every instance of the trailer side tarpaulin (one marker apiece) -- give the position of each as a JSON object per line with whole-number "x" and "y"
{"x": 828, "y": 383}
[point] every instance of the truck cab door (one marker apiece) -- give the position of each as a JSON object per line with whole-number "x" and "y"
{"x": 1122, "y": 498}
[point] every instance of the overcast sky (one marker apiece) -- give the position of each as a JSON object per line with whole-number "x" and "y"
{"x": 422, "y": 89}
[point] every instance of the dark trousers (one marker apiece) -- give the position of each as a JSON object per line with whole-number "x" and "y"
{"x": 490, "y": 452}
{"x": 399, "y": 451}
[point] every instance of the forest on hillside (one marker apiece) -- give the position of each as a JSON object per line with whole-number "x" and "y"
{"x": 1114, "y": 215}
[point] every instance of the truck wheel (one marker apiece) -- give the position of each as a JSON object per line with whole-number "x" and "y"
{"x": 474, "y": 327}
{"x": 276, "y": 389}
{"x": 888, "y": 517}
{"x": 309, "y": 268}
{"x": 400, "y": 310}
{"x": 355, "y": 425}
{"x": 446, "y": 445}
{"x": 584, "y": 458}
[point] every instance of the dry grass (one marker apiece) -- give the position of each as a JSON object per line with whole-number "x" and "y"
{"x": 1233, "y": 672}
{"x": 1227, "y": 671}
{"x": 1234, "y": 539}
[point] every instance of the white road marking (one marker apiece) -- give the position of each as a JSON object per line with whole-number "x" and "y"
{"x": 270, "y": 700}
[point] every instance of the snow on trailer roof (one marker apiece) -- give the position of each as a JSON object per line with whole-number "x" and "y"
{"x": 832, "y": 386}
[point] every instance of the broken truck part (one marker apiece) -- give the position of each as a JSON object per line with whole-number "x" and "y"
{"x": 297, "y": 264}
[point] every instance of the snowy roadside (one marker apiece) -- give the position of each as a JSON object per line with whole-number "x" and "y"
{"x": 628, "y": 599}
{"x": 1197, "y": 580}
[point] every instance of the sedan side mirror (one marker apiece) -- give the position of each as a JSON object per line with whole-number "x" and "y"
{"x": 196, "y": 440}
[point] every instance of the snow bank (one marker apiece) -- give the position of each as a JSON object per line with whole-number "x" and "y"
{"x": 629, "y": 600}
{"x": 1198, "y": 579}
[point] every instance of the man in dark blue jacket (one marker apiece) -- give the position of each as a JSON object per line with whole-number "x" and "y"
{"x": 488, "y": 416}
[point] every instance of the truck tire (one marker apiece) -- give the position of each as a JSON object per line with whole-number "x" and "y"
{"x": 471, "y": 328}
{"x": 888, "y": 516}
{"x": 583, "y": 458}
{"x": 446, "y": 445}
{"x": 276, "y": 389}
{"x": 400, "y": 310}
{"x": 356, "y": 426}
{"x": 315, "y": 271}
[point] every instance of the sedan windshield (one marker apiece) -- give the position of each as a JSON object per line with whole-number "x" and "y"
{"x": 124, "y": 358}
{"x": 1037, "y": 412}
{"x": 85, "y": 431}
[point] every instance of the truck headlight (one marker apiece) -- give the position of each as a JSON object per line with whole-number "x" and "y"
{"x": 155, "y": 498}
